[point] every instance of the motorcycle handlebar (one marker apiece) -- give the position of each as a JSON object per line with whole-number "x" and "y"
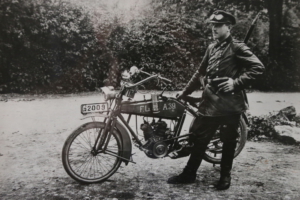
{"x": 142, "y": 81}
{"x": 160, "y": 77}
{"x": 148, "y": 79}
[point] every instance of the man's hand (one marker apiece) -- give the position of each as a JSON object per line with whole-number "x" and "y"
{"x": 226, "y": 86}
{"x": 179, "y": 95}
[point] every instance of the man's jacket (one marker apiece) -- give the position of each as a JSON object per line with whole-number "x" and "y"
{"x": 231, "y": 59}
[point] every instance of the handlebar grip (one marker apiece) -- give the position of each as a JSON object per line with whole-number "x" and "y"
{"x": 145, "y": 73}
{"x": 165, "y": 79}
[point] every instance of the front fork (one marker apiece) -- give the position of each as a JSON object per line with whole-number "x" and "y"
{"x": 104, "y": 135}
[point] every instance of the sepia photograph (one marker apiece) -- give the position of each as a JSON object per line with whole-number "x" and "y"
{"x": 150, "y": 99}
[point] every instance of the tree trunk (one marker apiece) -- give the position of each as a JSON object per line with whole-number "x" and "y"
{"x": 275, "y": 16}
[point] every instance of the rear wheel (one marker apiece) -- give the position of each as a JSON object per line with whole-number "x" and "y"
{"x": 80, "y": 160}
{"x": 213, "y": 153}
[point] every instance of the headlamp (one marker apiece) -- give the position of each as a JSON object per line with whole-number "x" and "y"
{"x": 109, "y": 92}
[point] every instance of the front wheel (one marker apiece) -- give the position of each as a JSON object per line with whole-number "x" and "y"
{"x": 80, "y": 160}
{"x": 213, "y": 153}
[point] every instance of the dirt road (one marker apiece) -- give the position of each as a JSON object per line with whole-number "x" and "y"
{"x": 33, "y": 130}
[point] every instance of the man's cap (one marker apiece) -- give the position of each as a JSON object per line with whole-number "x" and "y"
{"x": 222, "y": 17}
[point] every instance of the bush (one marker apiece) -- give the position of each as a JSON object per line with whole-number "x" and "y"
{"x": 48, "y": 46}
{"x": 263, "y": 126}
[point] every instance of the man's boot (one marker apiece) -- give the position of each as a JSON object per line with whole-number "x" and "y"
{"x": 226, "y": 166}
{"x": 224, "y": 182}
{"x": 187, "y": 176}
{"x": 189, "y": 173}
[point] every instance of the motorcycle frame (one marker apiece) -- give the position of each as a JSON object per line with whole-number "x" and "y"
{"x": 115, "y": 115}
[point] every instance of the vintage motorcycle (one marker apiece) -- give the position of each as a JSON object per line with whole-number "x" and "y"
{"x": 94, "y": 151}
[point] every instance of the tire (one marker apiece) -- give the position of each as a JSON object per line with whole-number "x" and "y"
{"x": 213, "y": 153}
{"x": 81, "y": 164}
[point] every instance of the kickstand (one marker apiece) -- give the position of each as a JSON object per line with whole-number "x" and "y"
{"x": 131, "y": 158}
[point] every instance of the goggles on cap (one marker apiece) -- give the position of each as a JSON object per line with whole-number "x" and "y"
{"x": 216, "y": 16}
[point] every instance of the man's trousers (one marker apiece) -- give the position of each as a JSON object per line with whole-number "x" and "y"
{"x": 203, "y": 130}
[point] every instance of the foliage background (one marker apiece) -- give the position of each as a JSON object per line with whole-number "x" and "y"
{"x": 55, "y": 46}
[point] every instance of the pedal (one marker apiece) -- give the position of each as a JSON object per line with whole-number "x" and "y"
{"x": 173, "y": 155}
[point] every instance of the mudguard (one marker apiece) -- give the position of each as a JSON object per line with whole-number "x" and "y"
{"x": 245, "y": 118}
{"x": 126, "y": 141}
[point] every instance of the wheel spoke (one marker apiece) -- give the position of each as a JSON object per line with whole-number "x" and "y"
{"x": 83, "y": 164}
{"x": 88, "y": 166}
{"x": 213, "y": 153}
{"x": 85, "y": 138}
{"x": 82, "y": 146}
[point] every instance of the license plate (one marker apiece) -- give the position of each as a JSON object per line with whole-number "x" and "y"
{"x": 94, "y": 107}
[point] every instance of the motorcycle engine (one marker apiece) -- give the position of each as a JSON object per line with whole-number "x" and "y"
{"x": 154, "y": 134}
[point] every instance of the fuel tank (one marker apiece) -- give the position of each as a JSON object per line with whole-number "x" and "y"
{"x": 170, "y": 108}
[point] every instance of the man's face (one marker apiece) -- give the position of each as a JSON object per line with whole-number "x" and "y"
{"x": 219, "y": 31}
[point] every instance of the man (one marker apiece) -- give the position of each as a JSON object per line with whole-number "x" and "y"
{"x": 227, "y": 68}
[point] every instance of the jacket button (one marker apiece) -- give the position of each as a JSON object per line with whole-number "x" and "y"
{"x": 232, "y": 93}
